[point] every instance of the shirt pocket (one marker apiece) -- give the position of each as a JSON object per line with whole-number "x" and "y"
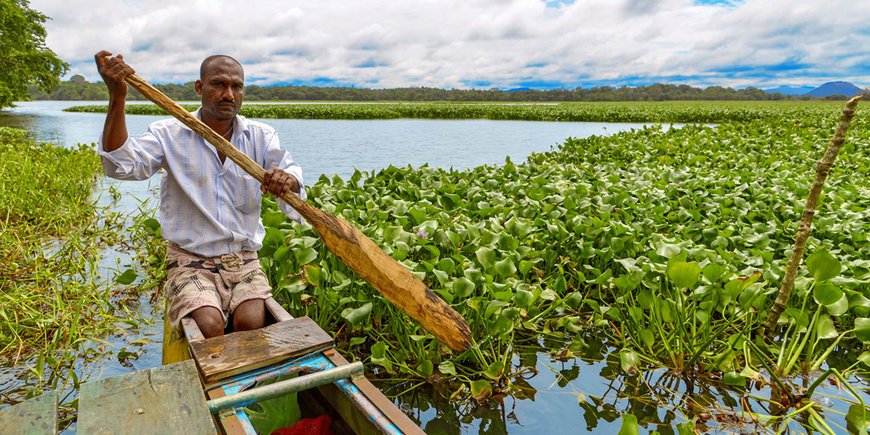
{"x": 247, "y": 193}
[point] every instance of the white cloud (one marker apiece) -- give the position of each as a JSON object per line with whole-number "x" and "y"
{"x": 479, "y": 43}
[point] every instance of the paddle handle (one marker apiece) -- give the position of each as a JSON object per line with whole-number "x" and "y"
{"x": 222, "y": 145}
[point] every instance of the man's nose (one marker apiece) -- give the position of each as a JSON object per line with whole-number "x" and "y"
{"x": 227, "y": 94}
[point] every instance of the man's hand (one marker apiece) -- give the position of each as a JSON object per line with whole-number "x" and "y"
{"x": 278, "y": 182}
{"x": 113, "y": 70}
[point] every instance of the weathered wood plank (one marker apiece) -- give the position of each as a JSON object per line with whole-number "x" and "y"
{"x": 277, "y": 311}
{"x": 166, "y": 399}
{"x": 231, "y": 354}
{"x": 229, "y": 423}
{"x": 393, "y": 413}
{"x": 36, "y": 416}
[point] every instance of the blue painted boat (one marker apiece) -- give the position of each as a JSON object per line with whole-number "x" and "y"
{"x": 354, "y": 404}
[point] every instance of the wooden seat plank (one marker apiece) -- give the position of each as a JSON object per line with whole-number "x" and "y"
{"x": 36, "y": 416}
{"x": 165, "y": 399}
{"x": 231, "y": 354}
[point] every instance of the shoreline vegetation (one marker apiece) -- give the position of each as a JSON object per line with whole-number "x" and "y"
{"x": 78, "y": 88}
{"x": 653, "y": 252}
{"x": 57, "y": 302}
{"x": 658, "y": 112}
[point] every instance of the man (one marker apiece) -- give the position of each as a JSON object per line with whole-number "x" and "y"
{"x": 209, "y": 207}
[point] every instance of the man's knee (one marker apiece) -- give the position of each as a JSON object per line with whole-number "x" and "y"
{"x": 250, "y": 314}
{"x": 209, "y": 320}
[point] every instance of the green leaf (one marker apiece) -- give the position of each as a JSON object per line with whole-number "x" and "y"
{"x": 865, "y": 358}
{"x": 312, "y": 274}
{"x": 823, "y": 266}
{"x": 629, "y": 425}
{"x": 305, "y": 256}
{"x": 356, "y": 315}
{"x": 858, "y": 418}
{"x": 734, "y": 379}
{"x": 494, "y": 371}
{"x": 447, "y": 368}
{"x": 645, "y": 299}
{"x": 825, "y": 328}
{"x": 379, "y": 356}
{"x": 684, "y": 275}
{"x": 826, "y": 293}
{"x": 273, "y": 219}
{"x": 481, "y": 389}
{"x": 839, "y": 307}
{"x": 523, "y": 298}
{"x": 463, "y": 287}
{"x": 486, "y": 258}
{"x": 426, "y": 368}
{"x": 862, "y": 329}
{"x": 505, "y": 268}
{"x": 629, "y": 361}
{"x": 127, "y": 277}
{"x": 646, "y": 336}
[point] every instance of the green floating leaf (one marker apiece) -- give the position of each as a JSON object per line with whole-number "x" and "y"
{"x": 447, "y": 368}
{"x": 826, "y": 293}
{"x": 379, "y": 356}
{"x": 305, "y": 256}
{"x": 356, "y": 315}
{"x": 823, "y": 266}
{"x": 505, "y": 268}
{"x": 825, "y": 328}
{"x": 858, "y": 419}
{"x": 495, "y": 370}
{"x": 629, "y": 361}
{"x": 463, "y": 287}
{"x": 862, "y": 329}
{"x": 684, "y": 275}
{"x": 734, "y": 379}
{"x": 127, "y": 277}
{"x": 426, "y": 368}
{"x": 481, "y": 389}
{"x": 523, "y": 298}
{"x": 629, "y": 425}
{"x": 486, "y": 258}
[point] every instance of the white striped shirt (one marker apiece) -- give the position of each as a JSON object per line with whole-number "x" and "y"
{"x": 206, "y": 207}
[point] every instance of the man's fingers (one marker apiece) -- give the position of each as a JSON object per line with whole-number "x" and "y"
{"x": 100, "y": 57}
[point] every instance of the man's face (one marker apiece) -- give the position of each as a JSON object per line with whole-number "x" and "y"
{"x": 222, "y": 89}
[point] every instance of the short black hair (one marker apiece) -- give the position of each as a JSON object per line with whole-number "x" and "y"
{"x": 209, "y": 59}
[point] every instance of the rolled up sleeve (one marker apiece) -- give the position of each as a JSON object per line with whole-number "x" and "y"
{"x": 137, "y": 159}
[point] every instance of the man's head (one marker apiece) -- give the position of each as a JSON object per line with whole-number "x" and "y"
{"x": 221, "y": 85}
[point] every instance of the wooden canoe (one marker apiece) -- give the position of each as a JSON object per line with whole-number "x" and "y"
{"x": 236, "y": 361}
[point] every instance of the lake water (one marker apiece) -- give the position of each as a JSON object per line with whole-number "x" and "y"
{"x": 570, "y": 396}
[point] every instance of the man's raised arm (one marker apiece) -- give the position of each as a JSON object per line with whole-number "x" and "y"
{"x": 113, "y": 70}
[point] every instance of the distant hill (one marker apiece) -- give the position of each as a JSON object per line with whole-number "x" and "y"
{"x": 790, "y": 90}
{"x": 835, "y": 88}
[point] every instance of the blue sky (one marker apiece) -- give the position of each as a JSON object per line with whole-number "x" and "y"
{"x": 504, "y": 44}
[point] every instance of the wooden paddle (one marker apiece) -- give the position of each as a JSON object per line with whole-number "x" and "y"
{"x": 356, "y": 250}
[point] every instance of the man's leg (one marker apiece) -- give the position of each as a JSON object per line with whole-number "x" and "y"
{"x": 250, "y": 314}
{"x": 209, "y": 320}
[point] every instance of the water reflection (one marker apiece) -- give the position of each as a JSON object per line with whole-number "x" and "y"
{"x": 591, "y": 393}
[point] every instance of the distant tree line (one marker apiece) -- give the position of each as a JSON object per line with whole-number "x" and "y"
{"x": 77, "y": 88}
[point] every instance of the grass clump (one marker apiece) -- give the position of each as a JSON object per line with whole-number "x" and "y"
{"x": 52, "y": 301}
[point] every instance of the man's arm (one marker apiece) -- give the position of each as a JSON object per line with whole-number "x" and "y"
{"x": 113, "y": 70}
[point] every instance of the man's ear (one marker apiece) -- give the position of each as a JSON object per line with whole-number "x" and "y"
{"x": 198, "y": 87}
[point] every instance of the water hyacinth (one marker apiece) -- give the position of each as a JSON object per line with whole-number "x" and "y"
{"x": 674, "y": 257}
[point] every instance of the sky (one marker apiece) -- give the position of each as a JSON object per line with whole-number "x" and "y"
{"x": 481, "y": 44}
